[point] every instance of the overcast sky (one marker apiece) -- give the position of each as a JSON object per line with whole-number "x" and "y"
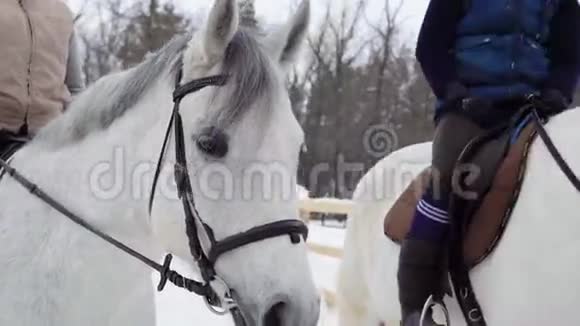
{"x": 274, "y": 11}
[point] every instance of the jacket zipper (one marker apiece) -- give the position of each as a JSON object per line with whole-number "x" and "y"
{"x": 29, "y": 70}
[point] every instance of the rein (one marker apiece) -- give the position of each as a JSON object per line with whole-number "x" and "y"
{"x": 556, "y": 155}
{"x": 164, "y": 271}
{"x": 216, "y": 293}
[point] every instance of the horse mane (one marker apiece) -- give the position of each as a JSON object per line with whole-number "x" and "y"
{"x": 111, "y": 97}
{"x": 107, "y": 100}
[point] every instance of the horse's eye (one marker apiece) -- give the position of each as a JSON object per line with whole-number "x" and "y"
{"x": 213, "y": 142}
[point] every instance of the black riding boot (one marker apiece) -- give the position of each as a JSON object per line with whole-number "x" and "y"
{"x": 420, "y": 275}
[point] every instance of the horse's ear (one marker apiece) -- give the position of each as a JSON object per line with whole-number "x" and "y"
{"x": 221, "y": 26}
{"x": 286, "y": 43}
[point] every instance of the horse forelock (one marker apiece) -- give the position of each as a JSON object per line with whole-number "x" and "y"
{"x": 251, "y": 76}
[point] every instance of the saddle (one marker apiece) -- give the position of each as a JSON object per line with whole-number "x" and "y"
{"x": 484, "y": 216}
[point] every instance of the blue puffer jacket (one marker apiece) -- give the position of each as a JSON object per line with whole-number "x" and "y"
{"x": 500, "y": 47}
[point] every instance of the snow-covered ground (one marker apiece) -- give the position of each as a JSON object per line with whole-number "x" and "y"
{"x": 178, "y": 308}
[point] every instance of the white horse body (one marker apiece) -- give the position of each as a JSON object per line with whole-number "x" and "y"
{"x": 530, "y": 279}
{"x": 56, "y": 273}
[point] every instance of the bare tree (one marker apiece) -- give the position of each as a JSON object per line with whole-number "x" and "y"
{"x": 358, "y": 77}
{"x": 386, "y": 31}
{"x": 119, "y": 35}
{"x": 248, "y": 13}
{"x": 334, "y": 50}
{"x": 333, "y": 47}
{"x": 101, "y": 42}
{"x": 149, "y": 25}
{"x": 79, "y": 14}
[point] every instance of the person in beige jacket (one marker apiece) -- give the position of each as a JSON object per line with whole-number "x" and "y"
{"x": 39, "y": 65}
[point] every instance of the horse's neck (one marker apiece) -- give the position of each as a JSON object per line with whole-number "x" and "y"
{"x": 106, "y": 176}
{"x": 103, "y": 178}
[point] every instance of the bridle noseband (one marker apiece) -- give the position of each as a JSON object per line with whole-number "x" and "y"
{"x": 195, "y": 226}
{"x": 217, "y": 294}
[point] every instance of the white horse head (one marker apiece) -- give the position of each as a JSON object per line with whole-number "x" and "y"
{"x": 250, "y": 178}
{"x": 242, "y": 143}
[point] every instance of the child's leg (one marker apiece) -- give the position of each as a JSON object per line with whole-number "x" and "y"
{"x": 431, "y": 219}
{"x": 421, "y": 254}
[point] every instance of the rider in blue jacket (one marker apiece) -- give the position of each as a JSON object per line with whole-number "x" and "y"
{"x": 482, "y": 58}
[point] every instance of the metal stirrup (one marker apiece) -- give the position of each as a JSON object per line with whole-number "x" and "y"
{"x": 430, "y": 303}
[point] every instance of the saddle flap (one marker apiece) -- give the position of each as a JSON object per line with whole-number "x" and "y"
{"x": 488, "y": 222}
{"x": 498, "y": 185}
{"x": 400, "y": 216}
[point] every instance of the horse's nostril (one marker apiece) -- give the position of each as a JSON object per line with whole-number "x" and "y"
{"x": 274, "y": 316}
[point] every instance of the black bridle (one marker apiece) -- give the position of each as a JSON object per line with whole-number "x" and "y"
{"x": 217, "y": 294}
{"x": 195, "y": 226}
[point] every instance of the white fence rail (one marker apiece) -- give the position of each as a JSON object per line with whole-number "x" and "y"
{"x": 325, "y": 206}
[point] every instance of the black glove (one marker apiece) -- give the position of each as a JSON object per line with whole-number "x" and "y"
{"x": 454, "y": 95}
{"x": 457, "y": 99}
{"x": 477, "y": 105}
{"x": 479, "y": 110}
{"x": 455, "y": 91}
{"x": 552, "y": 102}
